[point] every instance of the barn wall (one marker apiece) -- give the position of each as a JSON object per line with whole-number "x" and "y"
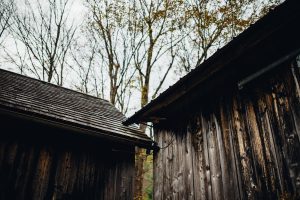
{"x": 244, "y": 145}
{"x": 42, "y": 163}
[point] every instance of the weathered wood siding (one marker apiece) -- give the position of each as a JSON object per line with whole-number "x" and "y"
{"x": 38, "y": 162}
{"x": 243, "y": 145}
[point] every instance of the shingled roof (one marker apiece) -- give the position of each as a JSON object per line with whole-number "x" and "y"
{"x": 67, "y": 108}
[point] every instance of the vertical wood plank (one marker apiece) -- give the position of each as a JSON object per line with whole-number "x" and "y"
{"x": 41, "y": 177}
{"x": 223, "y": 160}
{"x": 205, "y": 129}
{"x": 158, "y": 167}
{"x": 189, "y": 174}
{"x": 198, "y": 160}
{"x": 214, "y": 160}
{"x": 230, "y": 168}
{"x": 242, "y": 148}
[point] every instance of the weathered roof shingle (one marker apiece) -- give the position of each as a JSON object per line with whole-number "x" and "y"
{"x": 44, "y": 100}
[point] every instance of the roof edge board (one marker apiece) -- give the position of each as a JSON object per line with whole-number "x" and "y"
{"x": 141, "y": 142}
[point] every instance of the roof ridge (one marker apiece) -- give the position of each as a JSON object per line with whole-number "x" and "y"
{"x": 52, "y": 84}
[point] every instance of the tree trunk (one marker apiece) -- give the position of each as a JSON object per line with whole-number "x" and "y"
{"x": 140, "y": 157}
{"x": 140, "y": 154}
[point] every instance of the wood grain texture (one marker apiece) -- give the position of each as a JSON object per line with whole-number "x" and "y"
{"x": 244, "y": 145}
{"x": 46, "y": 163}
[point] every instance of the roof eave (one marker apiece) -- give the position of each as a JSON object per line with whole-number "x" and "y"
{"x": 146, "y": 143}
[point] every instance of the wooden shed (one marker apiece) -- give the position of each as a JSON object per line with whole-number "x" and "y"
{"x": 56, "y": 143}
{"x": 230, "y": 129}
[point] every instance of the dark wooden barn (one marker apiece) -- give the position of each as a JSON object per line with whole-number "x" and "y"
{"x": 56, "y": 143}
{"x": 230, "y": 129}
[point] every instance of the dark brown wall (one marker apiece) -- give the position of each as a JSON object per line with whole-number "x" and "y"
{"x": 243, "y": 145}
{"x": 40, "y": 162}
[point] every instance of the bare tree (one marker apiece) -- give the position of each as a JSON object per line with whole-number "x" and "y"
{"x": 88, "y": 64}
{"x": 159, "y": 36}
{"x": 109, "y": 25}
{"x": 46, "y": 35}
{"x": 6, "y": 11}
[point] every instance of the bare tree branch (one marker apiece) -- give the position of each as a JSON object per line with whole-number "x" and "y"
{"x": 46, "y": 34}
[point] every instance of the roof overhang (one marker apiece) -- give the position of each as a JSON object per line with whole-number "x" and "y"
{"x": 276, "y": 33}
{"x": 75, "y": 128}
